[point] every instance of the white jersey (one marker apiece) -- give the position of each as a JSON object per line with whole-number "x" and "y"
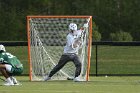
{"x": 70, "y": 40}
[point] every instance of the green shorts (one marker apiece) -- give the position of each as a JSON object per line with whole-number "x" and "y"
{"x": 16, "y": 71}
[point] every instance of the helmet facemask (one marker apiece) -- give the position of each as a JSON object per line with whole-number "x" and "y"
{"x": 72, "y": 27}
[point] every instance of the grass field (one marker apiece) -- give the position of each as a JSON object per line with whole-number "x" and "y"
{"x": 95, "y": 85}
{"x": 112, "y": 60}
{"x": 117, "y": 60}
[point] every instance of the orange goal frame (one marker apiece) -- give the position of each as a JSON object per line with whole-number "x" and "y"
{"x": 89, "y": 42}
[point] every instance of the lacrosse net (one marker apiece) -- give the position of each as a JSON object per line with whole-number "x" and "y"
{"x": 46, "y": 40}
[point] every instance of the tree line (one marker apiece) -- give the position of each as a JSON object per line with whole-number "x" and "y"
{"x": 113, "y": 19}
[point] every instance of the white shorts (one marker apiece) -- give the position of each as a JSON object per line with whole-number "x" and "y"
{"x": 8, "y": 67}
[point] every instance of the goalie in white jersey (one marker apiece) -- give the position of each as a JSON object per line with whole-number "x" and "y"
{"x": 71, "y": 48}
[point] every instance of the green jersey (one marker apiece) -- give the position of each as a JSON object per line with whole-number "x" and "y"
{"x": 8, "y": 58}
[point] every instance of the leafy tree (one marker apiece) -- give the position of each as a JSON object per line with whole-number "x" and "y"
{"x": 96, "y": 34}
{"x": 121, "y": 36}
{"x": 110, "y": 16}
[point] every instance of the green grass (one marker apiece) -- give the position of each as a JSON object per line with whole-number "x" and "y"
{"x": 95, "y": 85}
{"x": 117, "y": 60}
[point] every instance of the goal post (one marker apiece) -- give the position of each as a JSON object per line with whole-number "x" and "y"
{"x": 46, "y": 40}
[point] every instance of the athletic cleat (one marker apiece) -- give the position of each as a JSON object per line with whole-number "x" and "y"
{"x": 77, "y": 79}
{"x": 8, "y": 82}
{"x": 47, "y": 78}
{"x": 15, "y": 81}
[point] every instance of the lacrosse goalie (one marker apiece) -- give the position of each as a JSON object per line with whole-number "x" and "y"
{"x": 71, "y": 48}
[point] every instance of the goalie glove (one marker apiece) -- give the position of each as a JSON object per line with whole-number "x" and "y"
{"x": 85, "y": 25}
{"x": 77, "y": 43}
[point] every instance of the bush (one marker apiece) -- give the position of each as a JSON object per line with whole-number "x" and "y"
{"x": 96, "y": 36}
{"x": 121, "y": 36}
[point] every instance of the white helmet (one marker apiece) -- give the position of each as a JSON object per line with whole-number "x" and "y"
{"x": 72, "y": 26}
{"x": 2, "y": 48}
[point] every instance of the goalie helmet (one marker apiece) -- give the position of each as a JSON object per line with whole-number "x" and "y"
{"x": 72, "y": 26}
{"x": 2, "y": 48}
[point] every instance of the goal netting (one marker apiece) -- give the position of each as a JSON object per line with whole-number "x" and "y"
{"x": 46, "y": 40}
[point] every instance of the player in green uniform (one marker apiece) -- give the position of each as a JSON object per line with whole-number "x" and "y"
{"x": 9, "y": 66}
